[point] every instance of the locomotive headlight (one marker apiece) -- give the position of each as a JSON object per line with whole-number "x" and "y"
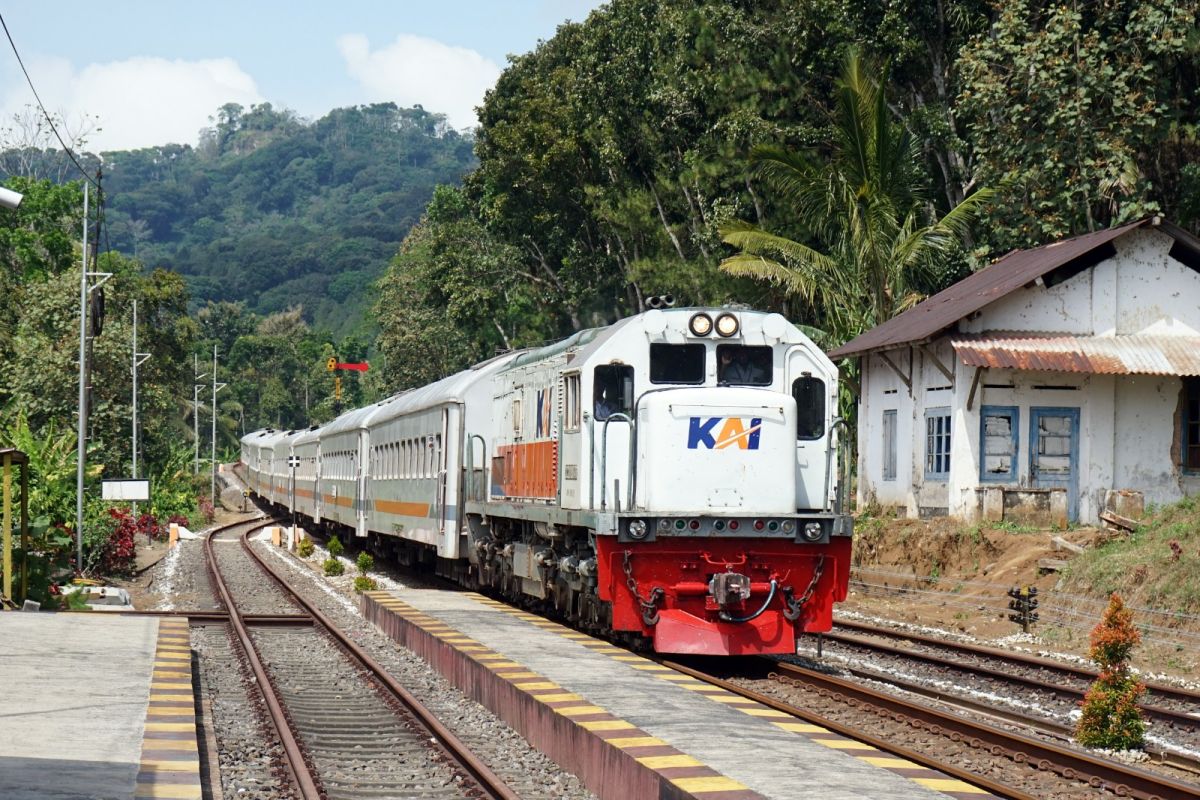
{"x": 700, "y": 324}
{"x": 812, "y": 531}
{"x": 637, "y": 529}
{"x": 727, "y": 325}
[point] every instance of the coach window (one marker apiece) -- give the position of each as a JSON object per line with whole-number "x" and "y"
{"x": 810, "y": 407}
{"x": 743, "y": 365}
{"x": 612, "y": 391}
{"x": 677, "y": 363}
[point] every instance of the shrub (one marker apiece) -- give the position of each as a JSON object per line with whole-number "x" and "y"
{"x": 305, "y": 548}
{"x": 109, "y": 543}
{"x": 364, "y": 584}
{"x": 333, "y": 567}
{"x": 365, "y": 562}
{"x": 334, "y": 547}
{"x": 1111, "y": 717}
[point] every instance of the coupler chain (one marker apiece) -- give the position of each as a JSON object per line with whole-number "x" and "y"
{"x": 794, "y": 606}
{"x": 649, "y": 605}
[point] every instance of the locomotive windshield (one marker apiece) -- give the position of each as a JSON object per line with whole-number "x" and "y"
{"x": 677, "y": 363}
{"x": 743, "y": 365}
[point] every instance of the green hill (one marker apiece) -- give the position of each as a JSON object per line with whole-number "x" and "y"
{"x": 280, "y": 212}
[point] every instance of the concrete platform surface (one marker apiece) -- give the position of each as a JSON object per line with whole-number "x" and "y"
{"x": 74, "y": 690}
{"x": 627, "y": 712}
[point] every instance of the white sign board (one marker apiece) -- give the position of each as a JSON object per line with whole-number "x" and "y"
{"x": 126, "y": 489}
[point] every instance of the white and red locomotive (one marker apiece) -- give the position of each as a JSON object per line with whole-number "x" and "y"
{"x": 668, "y": 478}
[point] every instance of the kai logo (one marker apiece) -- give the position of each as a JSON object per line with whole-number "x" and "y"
{"x": 732, "y": 431}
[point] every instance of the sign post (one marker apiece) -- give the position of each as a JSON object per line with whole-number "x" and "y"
{"x": 293, "y": 462}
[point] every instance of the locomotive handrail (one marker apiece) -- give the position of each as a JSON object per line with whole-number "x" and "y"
{"x": 837, "y": 504}
{"x": 619, "y": 417}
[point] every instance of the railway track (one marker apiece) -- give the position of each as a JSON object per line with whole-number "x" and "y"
{"x": 1035, "y": 693}
{"x": 347, "y": 729}
{"x": 1173, "y": 705}
{"x": 1004, "y": 762}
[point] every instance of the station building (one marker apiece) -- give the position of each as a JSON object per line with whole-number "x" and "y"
{"x": 1055, "y": 385}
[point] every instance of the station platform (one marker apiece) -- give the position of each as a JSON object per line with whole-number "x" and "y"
{"x": 96, "y": 706}
{"x": 629, "y": 727}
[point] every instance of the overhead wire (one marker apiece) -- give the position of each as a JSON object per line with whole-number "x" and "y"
{"x": 42, "y": 106}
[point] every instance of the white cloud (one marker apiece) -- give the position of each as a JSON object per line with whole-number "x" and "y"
{"x": 415, "y": 70}
{"x": 137, "y": 102}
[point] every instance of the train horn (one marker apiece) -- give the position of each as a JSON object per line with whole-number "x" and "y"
{"x": 660, "y": 301}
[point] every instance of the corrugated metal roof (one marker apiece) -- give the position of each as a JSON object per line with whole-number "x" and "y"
{"x": 977, "y": 290}
{"x": 1140, "y": 354}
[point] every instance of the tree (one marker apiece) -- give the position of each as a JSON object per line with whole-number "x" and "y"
{"x": 1111, "y": 717}
{"x": 864, "y": 206}
{"x": 1084, "y": 114}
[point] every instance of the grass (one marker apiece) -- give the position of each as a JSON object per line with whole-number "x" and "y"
{"x": 1157, "y": 566}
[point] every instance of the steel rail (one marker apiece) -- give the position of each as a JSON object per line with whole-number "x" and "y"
{"x": 202, "y": 616}
{"x": 297, "y": 764}
{"x": 1161, "y": 689}
{"x": 985, "y": 783}
{"x": 1071, "y": 764}
{"x": 1045, "y": 727}
{"x": 448, "y": 742}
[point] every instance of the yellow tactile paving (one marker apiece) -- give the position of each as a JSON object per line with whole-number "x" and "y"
{"x": 949, "y": 785}
{"x": 173, "y": 778}
{"x": 665, "y": 762}
{"x": 715, "y": 783}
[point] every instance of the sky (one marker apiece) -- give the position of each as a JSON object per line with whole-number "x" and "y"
{"x": 138, "y": 73}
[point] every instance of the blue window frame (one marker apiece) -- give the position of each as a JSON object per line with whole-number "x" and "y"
{"x": 1190, "y": 451}
{"x": 937, "y": 443}
{"x": 998, "y": 443}
{"x": 889, "y": 445}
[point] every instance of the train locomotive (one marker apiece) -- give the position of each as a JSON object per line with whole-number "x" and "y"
{"x": 668, "y": 480}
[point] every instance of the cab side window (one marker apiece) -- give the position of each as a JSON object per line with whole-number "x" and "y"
{"x": 612, "y": 391}
{"x": 810, "y": 407}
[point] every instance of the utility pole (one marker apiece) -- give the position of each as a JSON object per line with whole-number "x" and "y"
{"x": 196, "y": 387}
{"x": 81, "y": 430}
{"x": 216, "y": 387}
{"x": 138, "y": 360}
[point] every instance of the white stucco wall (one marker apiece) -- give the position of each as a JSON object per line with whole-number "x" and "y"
{"x": 1127, "y": 423}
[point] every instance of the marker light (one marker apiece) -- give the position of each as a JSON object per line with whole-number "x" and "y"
{"x": 694, "y": 524}
{"x": 734, "y": 524}
{"x": 773, "y": 526}
{"x": 719, "y": 525}
{"x": 759, "y": 524}
{"x": 679, "y": 524}
{"x": 727, "y": 325}
{"x": 700, "y": 324}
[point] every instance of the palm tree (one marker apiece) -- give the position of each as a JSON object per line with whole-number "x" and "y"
{"x": 864, "y": 205}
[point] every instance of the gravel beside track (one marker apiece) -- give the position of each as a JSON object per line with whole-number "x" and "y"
{"x": 252, "y": 590}
{"x": 251, "y": 763}
{"x": 527, "y": 771}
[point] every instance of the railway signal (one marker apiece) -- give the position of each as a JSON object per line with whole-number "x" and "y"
{"x": 1023, "y": 605}
{"x": 331, "y": 365}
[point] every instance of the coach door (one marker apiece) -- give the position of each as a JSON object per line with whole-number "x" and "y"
{"x": 360, "y": 500}
{"x": 807, "y": 386}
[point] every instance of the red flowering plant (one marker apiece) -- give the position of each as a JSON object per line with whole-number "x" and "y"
{"x": 206, "y": 510}
{"x": 1111, "y": 717}
{"x": 117, "y": 551}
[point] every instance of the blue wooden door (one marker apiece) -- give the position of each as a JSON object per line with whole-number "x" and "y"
{"x": 1054, "y": 452}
